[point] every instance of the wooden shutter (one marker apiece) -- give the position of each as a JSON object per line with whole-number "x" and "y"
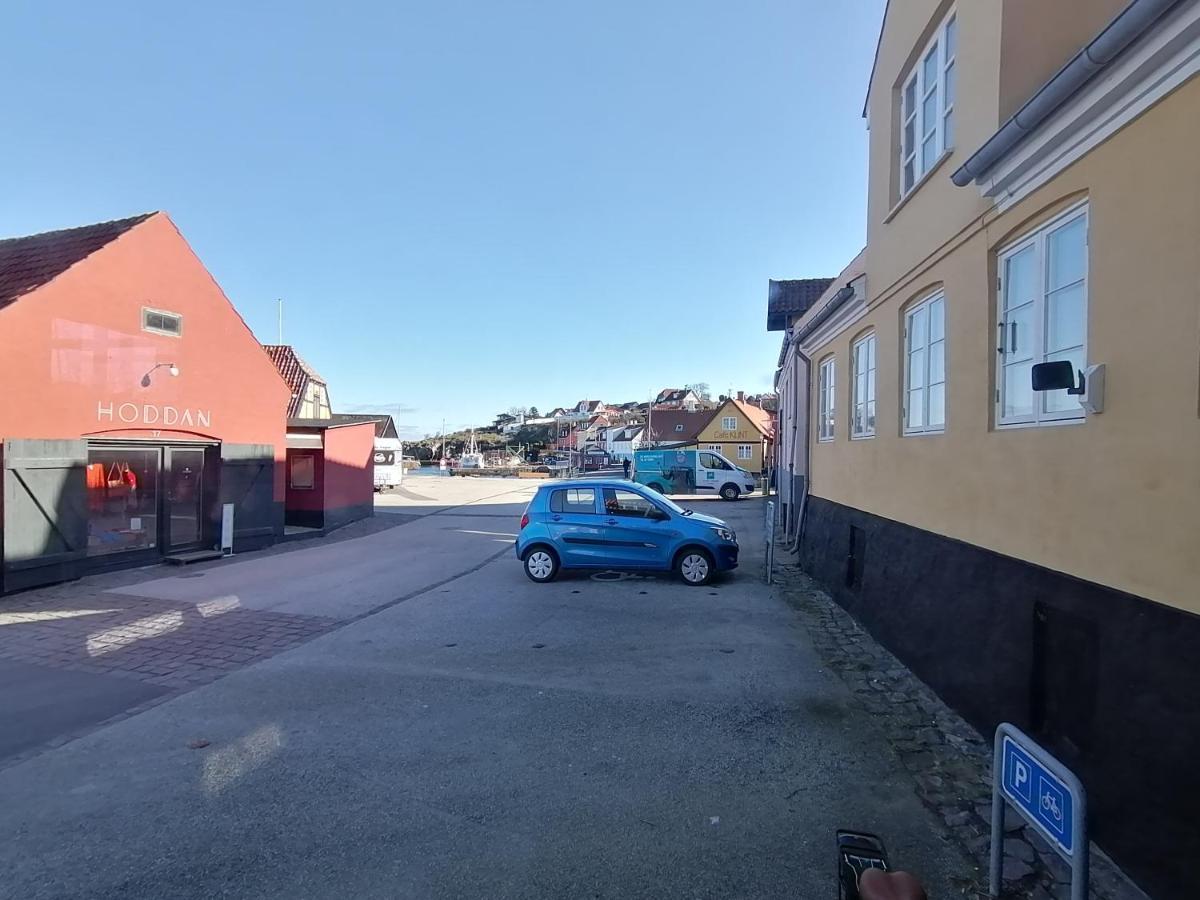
{"x": 248, "y": 482}
{"x": 45, "y": 511}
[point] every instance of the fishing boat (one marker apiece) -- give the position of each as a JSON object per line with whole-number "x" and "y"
{"x": 471, "y": 457}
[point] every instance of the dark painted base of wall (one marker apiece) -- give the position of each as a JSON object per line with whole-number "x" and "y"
{"x": 344, "y": 515}
{"x": 1108, "y": 681}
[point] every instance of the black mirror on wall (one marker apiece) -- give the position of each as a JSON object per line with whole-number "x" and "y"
{"x": 1056, "y": 376}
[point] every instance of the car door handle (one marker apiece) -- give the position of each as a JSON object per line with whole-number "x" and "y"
{"x": 610, "y": 521}
{"x": 556, "y": 518}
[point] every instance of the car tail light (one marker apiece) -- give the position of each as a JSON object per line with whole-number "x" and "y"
{"x": 524, "y": 519}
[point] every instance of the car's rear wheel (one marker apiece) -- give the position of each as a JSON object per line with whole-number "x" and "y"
{"x": 541, "y": 564}
{"x": 695, "y": 566}
{"x": 730, "y": 492}
{"x": 655, "y": 486}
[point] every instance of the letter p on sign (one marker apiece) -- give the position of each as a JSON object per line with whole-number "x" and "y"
{"x": 1021, "y": 783}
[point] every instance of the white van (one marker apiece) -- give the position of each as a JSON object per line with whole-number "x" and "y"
{"x": 389, "y": 465}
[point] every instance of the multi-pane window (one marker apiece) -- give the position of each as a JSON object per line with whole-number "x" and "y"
{"x": 927, "y": 106}
{"x": 161, "y": 322}
{"x": 745, "y": 451}
{"x": 925, "y": 366}
{"x": 729, "y": 423}
{"x": 825, "y": 403}
{"x": 862, "y": 413}
{"x": 716, "y": 448}
{"x": 1043, "y": 318}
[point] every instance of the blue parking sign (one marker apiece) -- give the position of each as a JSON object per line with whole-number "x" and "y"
{"x": 1044, "y": 793}
{"x": 1040, "y": 794}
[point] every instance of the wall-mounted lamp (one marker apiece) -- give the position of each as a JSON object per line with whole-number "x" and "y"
{"x": 170, "y": 367}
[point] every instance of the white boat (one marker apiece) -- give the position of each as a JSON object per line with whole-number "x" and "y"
{"x": 471, "y": 457}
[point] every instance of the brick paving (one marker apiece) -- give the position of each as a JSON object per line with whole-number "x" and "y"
{"x": 166, "y": 643}
{"x": 949, "y": 761}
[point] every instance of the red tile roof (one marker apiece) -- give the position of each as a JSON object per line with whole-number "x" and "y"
{"x": 27, "y": 263}
{"x": 670, "y": 425}
{"x": 295, "y": 371}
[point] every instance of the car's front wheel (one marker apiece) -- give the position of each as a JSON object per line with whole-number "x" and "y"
{"x": 541, "y": 564}
{"x": 695, "y": 566}
{"x": 730, "y": 492}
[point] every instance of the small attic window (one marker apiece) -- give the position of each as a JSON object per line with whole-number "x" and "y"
{"x": 160, "y": 322}
{"x": 679, "y": 427}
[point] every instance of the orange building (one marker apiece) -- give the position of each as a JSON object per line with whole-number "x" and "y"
{"x": 142, "y": 418}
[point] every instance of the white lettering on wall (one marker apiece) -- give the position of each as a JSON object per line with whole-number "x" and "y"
{"x": 149, "y": 414}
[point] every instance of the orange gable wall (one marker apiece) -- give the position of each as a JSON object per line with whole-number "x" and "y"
{"x": 74, "y": 349}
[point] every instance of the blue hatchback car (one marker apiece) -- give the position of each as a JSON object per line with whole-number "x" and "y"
{"x": 609, "y": 524}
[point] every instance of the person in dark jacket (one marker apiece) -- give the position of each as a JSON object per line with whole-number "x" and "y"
{"x": 625, "y": 466}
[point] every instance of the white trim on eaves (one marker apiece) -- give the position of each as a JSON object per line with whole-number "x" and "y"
{"x": 1156, "y": 65}
{"x": 849, "y": 313}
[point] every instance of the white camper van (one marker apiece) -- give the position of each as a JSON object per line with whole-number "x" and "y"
{"x": 389, "y": 465}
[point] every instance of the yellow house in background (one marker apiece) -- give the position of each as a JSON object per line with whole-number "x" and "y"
{"x": 741, "y": 432}
{"x": 989, "y": 421}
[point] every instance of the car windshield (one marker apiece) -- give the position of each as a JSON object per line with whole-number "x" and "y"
{"x": 672, "y": 505}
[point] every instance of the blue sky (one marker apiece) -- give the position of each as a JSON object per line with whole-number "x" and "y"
{"x": 465, "y": 206}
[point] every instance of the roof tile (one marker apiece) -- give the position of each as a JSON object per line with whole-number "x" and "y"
{"x": 27, "y": 263}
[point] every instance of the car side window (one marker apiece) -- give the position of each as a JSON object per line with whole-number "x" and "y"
{"x": 573, "y": 500}
{"x": 626, "y": 503}
{"x": 712, "y": 461}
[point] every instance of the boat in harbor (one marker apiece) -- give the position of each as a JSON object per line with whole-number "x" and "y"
{"x": 471, "y": 457}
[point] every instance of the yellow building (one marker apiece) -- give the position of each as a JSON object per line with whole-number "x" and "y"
{"x": 1032, "y": 554}
{"x": 739, "y": 431}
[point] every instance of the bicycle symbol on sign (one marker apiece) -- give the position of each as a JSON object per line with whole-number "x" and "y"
{"x": 1050, "y": 805}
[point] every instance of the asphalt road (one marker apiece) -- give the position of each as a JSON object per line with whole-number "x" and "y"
{"x": 481, "y": 736}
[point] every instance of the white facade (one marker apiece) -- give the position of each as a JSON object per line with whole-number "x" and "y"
{"x": 622, "y": 442}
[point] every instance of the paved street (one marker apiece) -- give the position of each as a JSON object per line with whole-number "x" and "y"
{"x": 411, "y": 717}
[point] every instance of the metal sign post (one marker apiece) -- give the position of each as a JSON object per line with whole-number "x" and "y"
{"x": 1047, "y": 795}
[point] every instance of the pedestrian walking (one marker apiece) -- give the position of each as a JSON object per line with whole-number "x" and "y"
{"x": 625, "y": 466}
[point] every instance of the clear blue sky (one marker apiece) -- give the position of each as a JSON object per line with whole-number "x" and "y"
{"x": 466, "y": 206}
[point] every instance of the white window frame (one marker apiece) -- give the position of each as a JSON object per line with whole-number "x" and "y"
{"x": 927, "y": 304}
{"x": 745, "y": 451}
{"x": 826, "y": 405}
{"x": 1037, "y": 240}
{"x": 715, "y": 448}
{"x": 944, "y": 48}
{"x": 863, "y": 351}
{"x": 729, "y": 423}
{"x": 148, "y": 311}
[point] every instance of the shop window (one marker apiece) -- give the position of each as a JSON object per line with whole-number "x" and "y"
{"x": 302, "y": 472}
{"x": 161, "y": 322}
{"x": 122, "y": 499}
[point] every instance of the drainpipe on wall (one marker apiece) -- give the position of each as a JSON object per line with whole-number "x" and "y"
{"x": 794, "y": 547}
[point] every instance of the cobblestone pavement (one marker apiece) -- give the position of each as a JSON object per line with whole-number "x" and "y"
{"x": 174, "y": 645}
{"x": 950, "y": 761}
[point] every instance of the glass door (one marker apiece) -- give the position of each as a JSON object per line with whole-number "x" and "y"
{"x": 185, "y": 497}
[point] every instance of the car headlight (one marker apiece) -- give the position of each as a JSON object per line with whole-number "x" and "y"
{"x": 725, "y": 534}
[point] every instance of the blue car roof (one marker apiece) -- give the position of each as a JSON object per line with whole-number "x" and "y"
{"x": 589, "y": 482}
